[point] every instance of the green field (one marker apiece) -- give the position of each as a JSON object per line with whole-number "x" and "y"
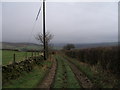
{"x": 7, "y": 56}
{"x": 28, "y": 46}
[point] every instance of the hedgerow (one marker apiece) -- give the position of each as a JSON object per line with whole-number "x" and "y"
{"x": 107, "y": 57}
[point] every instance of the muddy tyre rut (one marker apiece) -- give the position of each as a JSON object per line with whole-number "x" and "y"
{"x": 83, "y": 79}
{"x": 48, "y": 80}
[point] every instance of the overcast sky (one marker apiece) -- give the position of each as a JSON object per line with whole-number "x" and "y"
{"x": 69, "y": 22}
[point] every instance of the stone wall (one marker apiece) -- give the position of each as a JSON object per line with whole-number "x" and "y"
{"x": 13, "y": 71}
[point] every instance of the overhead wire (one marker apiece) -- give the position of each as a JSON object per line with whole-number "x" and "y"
{"x": 34, "y": 24}
{"x": 33, "y": 27}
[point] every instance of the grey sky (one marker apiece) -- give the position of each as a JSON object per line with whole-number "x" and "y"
{"x": 70, "y": 22}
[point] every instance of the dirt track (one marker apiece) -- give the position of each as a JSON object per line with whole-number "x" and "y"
{"x": 50, "y": 77}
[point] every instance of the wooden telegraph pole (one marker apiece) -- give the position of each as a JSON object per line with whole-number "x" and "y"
{"x": 44, "y": 30}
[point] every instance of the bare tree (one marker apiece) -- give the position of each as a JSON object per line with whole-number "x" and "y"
{"x": 48, "y": 38}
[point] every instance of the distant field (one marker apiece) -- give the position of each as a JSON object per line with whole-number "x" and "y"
{"x": 28, "y": 46}
{"x": 7, "y": 56}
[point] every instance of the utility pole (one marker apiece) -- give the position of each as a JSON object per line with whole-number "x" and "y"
{"x": 44, "y": 30}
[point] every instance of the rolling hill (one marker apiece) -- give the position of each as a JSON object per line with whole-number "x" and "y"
{"x": 8, "y": 45}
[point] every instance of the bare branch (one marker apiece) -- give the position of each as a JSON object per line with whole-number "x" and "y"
{"x": 48, "y": 37}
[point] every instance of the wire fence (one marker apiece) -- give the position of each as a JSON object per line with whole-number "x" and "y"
{"x": 9, "y": 57}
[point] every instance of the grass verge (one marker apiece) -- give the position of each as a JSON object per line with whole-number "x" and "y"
{"x": 30, "y": 80}
{"x": 99, "y": 77}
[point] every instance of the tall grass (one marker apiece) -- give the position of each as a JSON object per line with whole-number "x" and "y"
{"x": 99, "y": 77}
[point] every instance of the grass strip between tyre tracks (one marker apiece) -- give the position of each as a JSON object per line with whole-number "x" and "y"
{"x": 64, "y": 77}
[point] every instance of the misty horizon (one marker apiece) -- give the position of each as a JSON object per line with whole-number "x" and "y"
{"x": 58, "y": 42}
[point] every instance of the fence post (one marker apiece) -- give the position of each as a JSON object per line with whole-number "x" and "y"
{"x": 26, "y": 55}
{"x": 32, "y": 53}
{"x": 13, "y": 58}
